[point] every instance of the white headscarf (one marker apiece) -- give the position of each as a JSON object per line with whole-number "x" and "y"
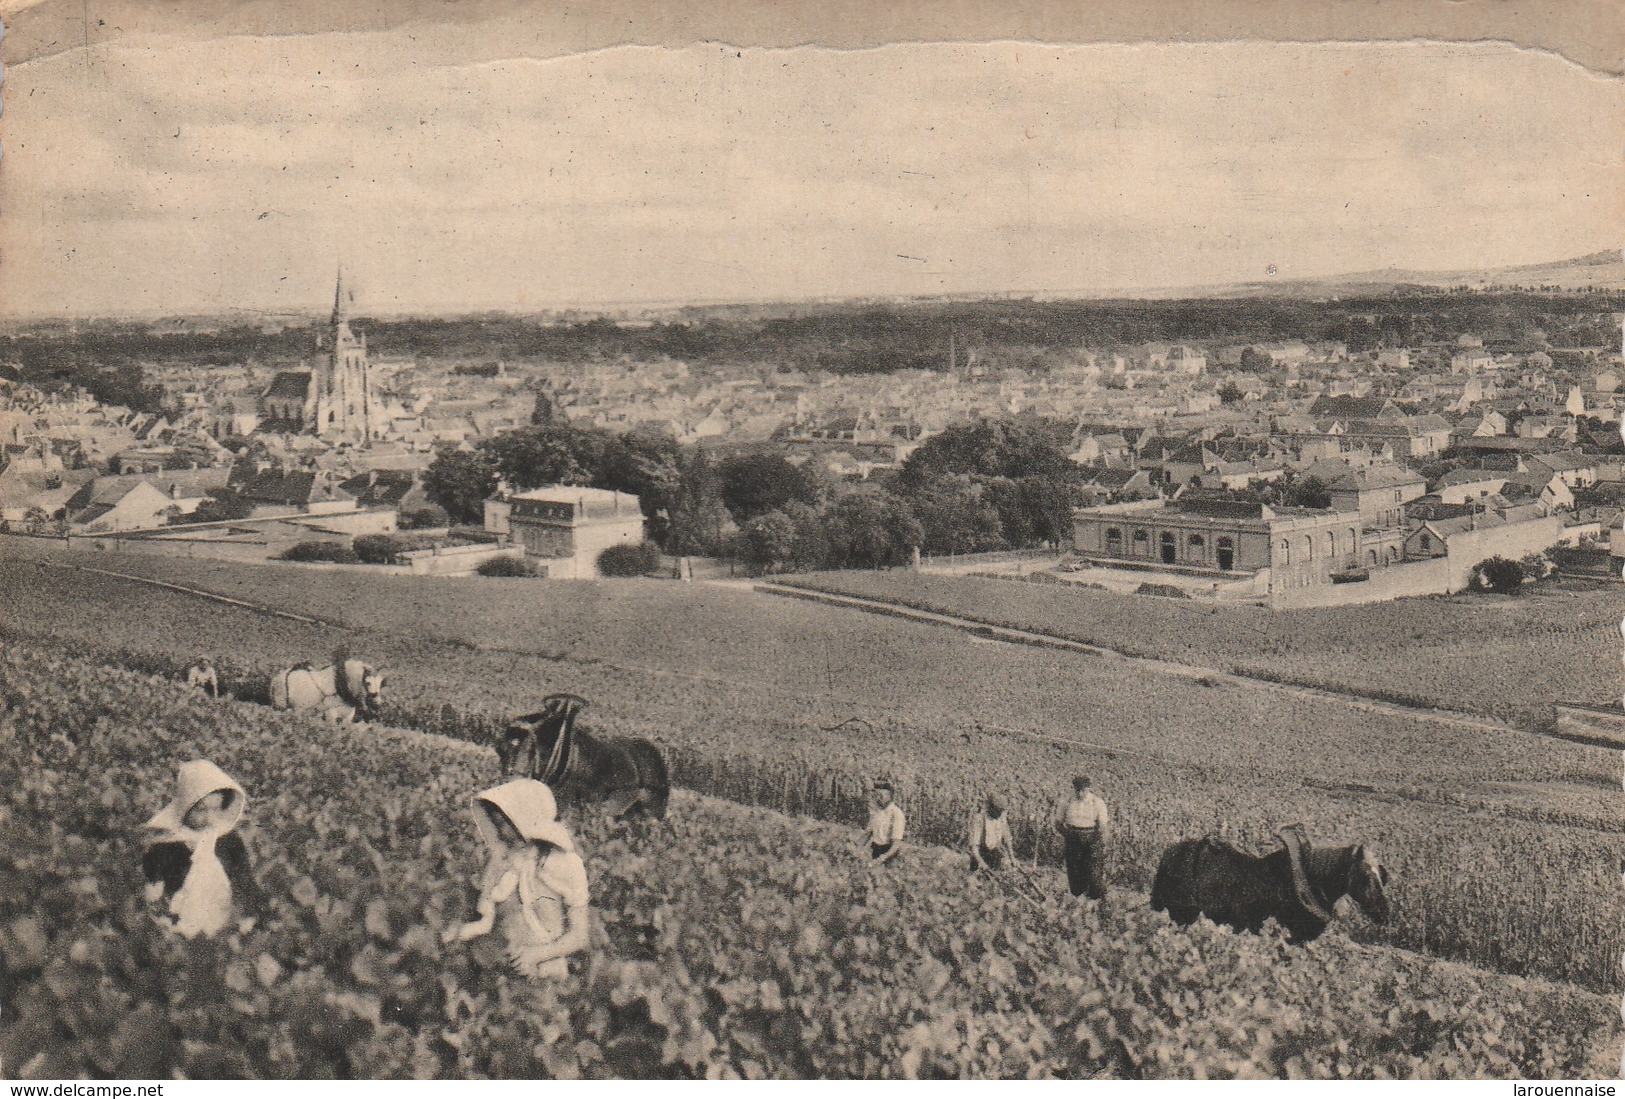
{"x": 202, "y": 905}
{"x": 531, "y": 808}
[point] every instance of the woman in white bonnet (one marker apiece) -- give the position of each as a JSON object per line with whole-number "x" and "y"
{"x": 196, "y": 864}
{"x": 534, "y": 885}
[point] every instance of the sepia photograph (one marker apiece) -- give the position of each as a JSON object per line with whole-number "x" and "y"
{"x": 787, "y": 542}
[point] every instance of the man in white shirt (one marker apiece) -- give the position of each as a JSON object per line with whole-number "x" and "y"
{"x": 885, "y": 825}
{"x": 989, "y": 836}
{"x": 1084, "y": 825}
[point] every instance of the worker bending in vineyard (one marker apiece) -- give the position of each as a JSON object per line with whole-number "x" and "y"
{"x": 1084, "y": 828}
{"x": 885, "y": 824}
{"x": 534, "y": 886}
{"x": 196, "y": 865}
{"x": 990, "y": 836}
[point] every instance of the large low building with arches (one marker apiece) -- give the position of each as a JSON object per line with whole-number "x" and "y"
{"x": 1231, "y": 540}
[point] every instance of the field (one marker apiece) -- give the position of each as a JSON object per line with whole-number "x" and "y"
{"x": 1502, "y": 657}
{"x": 730, "y": 942}
{"x": 1502, "y": 844}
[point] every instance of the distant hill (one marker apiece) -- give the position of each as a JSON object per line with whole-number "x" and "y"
{"x": 1604, "y": 270}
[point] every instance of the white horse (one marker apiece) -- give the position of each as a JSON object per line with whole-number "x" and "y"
{"x": 348, "y": 692}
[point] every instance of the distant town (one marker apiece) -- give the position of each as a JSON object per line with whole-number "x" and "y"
{"x": 1392, "y": 445}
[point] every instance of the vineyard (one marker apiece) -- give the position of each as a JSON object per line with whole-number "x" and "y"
{"x": 1502, "y": 845}
{"x": 1500, "y": 657}
{"x": 729, "y": 941}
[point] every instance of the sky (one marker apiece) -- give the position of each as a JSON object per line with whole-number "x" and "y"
{"x": 158, "y": 174}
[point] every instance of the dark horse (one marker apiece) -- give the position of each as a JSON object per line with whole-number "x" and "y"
{"x": 1297, "y": 885}
{"x": 550, "y": 747}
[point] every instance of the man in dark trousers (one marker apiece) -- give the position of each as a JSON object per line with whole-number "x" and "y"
{"x": 1084, "y": 825}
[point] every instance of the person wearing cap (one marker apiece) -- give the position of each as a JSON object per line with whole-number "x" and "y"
{"x": 989, "y": 836}
{"x": 196, "y": 864}
{"x": 534, "y": 886}
{"x": 885, "y": 825}
{"x": 1083, "y": 825}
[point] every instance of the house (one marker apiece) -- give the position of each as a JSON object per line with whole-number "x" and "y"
{"x": 1107, "y": 447}
{"x": 1240, "y": 474}
{"x": 1121, "y": 482}
{"x": 276, "y": 492}
{"x": 1542, "y": 486}
{"x": 119, "y": 503}
{"x": 1461, "y": 485}
{"x": 1576, "y": 469}
{"x": 1378, "y": 493}
{"x": 1471, "y": 360}
{"x": 1410, "y": 436}
{"x": 31, "y": 496}
{"x": 1326, "y": 407}
{"x": 379, "y": 489}
{"x": 1185, "y": 360}
{"x": 563, "y": 528}
{"x": 1508, "y": 530}
{"x": 1217, "y": 535}
{"x": 1480, "y": 425}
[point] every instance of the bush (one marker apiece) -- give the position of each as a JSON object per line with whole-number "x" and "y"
{"x": 336, "y": 552}
{"x": 1171, "y": 591}
{"x": 1498, "y": 574}
{"x": 378, "y": 549}
{"x": 506, "y": 565}
{"x": 629, "y": 560}
{"x": 428, "y": 517}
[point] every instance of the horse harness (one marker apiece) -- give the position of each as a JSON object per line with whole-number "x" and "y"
{"x": 560, "y": 710}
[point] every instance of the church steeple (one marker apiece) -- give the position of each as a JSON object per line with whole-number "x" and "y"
{"x": 340, "y": 312}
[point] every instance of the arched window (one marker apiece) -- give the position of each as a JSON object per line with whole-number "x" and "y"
{"x": 1169, "y": 553}
{"x": 1142, "y": 544}
{"x": 1114, "y": 540}
{"x": 1286, "y": 552}
{"x": 1308, "y": 547}
{"x": 1226, "y": 553}
{"x": 1371, "y": 558}
{"x": 1331, "y": 543}
{"x": 1393, "y": 555}
{"x": 1195, "y": 541}
{"x": 1354, "y": 542}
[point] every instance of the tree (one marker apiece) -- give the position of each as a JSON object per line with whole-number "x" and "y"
{"x": 531, "y": 457}
{"x": 871, "y": 530}
{"x": 1046, "y": 505}
{"x": 955, "y": 515}
{"x": 222, "y": 505}
{"x": 629, "y": 559}
{"x": 991, "y": 449}
{"x": 1498, "y": 574}
{"x": 1252, "y": 359}
{"x": 696, "y": 517}
{"x": 377, "y": 549}
{"x": 1309, "y": 492}
{"x": 1230, "y": 392}
{"x": 507, "y": 564}
{"x": 336, "y": 552}
{"x": 428, "y": 517}
{"x": 759, "y": 482}
{"x": 770, "y": 541}
{"x": 461, "y": 482}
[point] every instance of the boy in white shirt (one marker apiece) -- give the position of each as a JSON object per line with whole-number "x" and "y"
{"x": 885, "y": 825}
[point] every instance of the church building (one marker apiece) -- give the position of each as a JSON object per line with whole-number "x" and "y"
{"x": 334, "y": 401}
